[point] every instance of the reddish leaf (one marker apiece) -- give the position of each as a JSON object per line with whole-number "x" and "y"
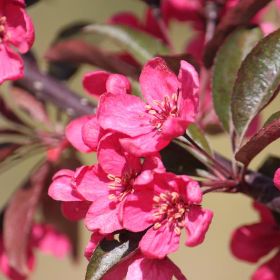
{"x": 240, "y": 15}
{"x": 257, "y": 143}
{"x": 18, "y": 219}
{"x": 29, "y": 104}
{"x": 77, "y": 51}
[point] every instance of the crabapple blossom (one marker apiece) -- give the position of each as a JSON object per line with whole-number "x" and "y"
{"x": 167, "y": 205}
{"x": 16, "y": 29}
{"x": 255, "y": 241}
{"x": 171, "y": 105}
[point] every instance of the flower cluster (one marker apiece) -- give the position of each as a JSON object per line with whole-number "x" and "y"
{"x": 129, "y": 188}
{"x": 253, "y": 242}
{"x": 16, "y": 29}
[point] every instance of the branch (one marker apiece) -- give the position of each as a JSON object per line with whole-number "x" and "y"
{"x": 240, "y": 15}
{"x": 47, "y": 88}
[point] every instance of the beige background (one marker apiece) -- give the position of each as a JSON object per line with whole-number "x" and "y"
{"x": 212, "y": 260}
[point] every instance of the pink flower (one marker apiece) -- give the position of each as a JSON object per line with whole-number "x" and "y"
{"x": 16, "y": 29}
{"x": 171, "y": 104}
{"x": 169, "y": 204}
{"x": 98, "y": 82}
{"x": 43, "y": 237}
{"x": 252, "y": 242}
{"x": 64, "y": 188}
{"x": 140, "y": 268}
{"x": 113, "y": 181}
{"x": 276, "y": 179}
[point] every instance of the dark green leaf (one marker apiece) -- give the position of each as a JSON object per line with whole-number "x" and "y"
{"x": 108, "y": 254}
{"x": 227, "y": 62}
{"x": 198, "y": 136}
{"x": 257, "y": 82}
{"x": 140, "y": 45}
{"x": 273, "y": 117}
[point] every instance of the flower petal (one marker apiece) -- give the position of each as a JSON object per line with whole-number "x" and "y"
{"x": 102, "y": 216}
{"x": 11, "y": 64}
{"x": 93, "y": 243}
{"x": 269, "y": 270}
{"x": 159, "y": 243}
{"x": 75, "y": 210}
{"x": 61, "y": 188}
{"x": 252, "y": 242}
{"x": 157, "y": 80}
{"x": 118, "y": 84}
{"x": 95, "y": 82}
{"x": 145, "y": 145}
{"x": 91, "y": 133}
{"x": 137, "y": 210}
{"x": 276, "y": 179}
{"x": 74, "y": 134}
{"x": 189, "y": 98}
{"x": 197, "y": 222}
{"x": 123, "y": 113}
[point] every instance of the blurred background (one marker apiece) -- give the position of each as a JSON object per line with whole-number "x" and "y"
{"x": 212, "y": 260}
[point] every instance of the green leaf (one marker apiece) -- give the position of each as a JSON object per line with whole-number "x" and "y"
{"x": 257, "y": 82}
{"x": 227, "y": 63}
{"x": 198, "y": 136}
{"x": 108, "y": 254}
{"x": 273, "y": 117}
{"x": 140, "y": 45}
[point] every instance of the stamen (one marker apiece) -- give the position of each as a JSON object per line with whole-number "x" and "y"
{"x": 177, "y": 230}
{"x": 111, "y": 177}
{"x": 157, "y": 225}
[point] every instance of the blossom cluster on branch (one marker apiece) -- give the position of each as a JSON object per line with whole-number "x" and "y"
{"x": 142, "y": 193}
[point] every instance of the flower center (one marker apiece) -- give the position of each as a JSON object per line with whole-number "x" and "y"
{"x": 3, "y": 21}
{"x": 120, "y": 187}
{"x": 162, "y": 110}
{"x": 169, "y": 207}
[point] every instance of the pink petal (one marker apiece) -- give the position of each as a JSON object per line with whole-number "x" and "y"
{"x": 91, "y": 133}
{"x": 265, "y": 213}
{"x": 254, "y": 241}
{"x": 118, "y": 84}
{"x": 11, "y": 64}
{"x": 50, "y": 241}
{"x": 269, "y": 270}
{"x": 174, "y": 127}
{"x": 123, "y": 113}
{"x": 146, "y": 144}
{"x": 61, "y": 188}
{"x": 193, "y": 191}
{"x": 93, "y": 243}
{"x": 102, "y": 216}
{"x": 74, "y": 134}
{"x": 152, "y": 269}
{"x": 75, "y": 210}
{"x": 111, "y": 155}
{"x": 276, "y": 179}
{"x": 91, "y": 182}
{"x": 188, "y": 100}
{"x": 197, "y": 222}
{"x": 159, "y": 243}
{"x": 157, "y": 81}
{"x": 95, "y": 82}
{"x": 19, "y": 26}
{"x": 137, "y": 210}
